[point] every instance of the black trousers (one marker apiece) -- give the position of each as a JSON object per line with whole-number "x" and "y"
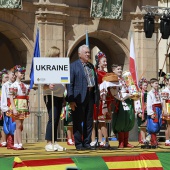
{"x": 83, "y": 121}
{"x": 57, "y": 111}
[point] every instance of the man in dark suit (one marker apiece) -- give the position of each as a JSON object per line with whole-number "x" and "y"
{"x": 82, "y": 93}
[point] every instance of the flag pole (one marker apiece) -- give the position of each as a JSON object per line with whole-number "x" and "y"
{"x": 39, "y": 103}
{"x": 52, "y": 101}
{"x": 39, "y": 114}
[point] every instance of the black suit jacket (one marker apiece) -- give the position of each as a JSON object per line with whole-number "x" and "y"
{"x": 77, "y": 89}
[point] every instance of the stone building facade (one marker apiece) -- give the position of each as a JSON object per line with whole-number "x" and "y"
{"x": 63, "y": 23}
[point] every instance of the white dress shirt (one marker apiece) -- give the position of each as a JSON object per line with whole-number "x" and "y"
{"x": 151, "y": 100}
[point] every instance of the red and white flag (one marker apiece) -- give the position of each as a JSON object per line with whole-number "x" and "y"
{"x": 132, "y": 62}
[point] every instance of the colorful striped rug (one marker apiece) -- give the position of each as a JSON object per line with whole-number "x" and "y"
{"x": 144, "y": 161}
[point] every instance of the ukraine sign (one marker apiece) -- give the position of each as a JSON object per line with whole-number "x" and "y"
{"x": 51, "y": 70}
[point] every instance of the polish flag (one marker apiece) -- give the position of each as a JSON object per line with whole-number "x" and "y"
{"x": 132, "y": 62}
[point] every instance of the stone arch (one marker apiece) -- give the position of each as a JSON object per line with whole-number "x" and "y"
{"x": 114, "y": 48}
{"x": 18, "y": 35}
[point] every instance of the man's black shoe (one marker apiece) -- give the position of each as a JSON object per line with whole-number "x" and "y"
{"x": 90, "y": 148}
{"x": 80, "y": 149}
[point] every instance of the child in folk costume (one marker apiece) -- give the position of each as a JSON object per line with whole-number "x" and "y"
{"x": 66, "y": 115}
{"x": 123, "y": 116}
{"x": 19, "y": 105}
{"x": 141, "y": 110}
{"x": 5, "y": 104}
{"x": 166, "y": 109}
{"x": 154, "y": 111}
{"x": 4, "y": 77}
{"x": 104, "y": 114}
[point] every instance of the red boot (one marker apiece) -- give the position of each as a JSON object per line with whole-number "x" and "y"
{"x": 153, "y": 139}
{"x": 10, "y": 141}
{"x": 121, "y": 139}
{"x": 126, "y": 144}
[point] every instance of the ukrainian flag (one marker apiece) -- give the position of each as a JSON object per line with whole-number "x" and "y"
{"x": 64, "y": 79}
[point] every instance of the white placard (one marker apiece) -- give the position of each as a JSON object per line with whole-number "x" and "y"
{"x": 51, "y": 70}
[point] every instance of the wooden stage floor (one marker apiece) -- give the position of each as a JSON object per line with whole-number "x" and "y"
{"x": 37, "y": 151}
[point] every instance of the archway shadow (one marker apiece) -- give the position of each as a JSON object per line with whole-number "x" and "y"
{"x": 114, "y": 55}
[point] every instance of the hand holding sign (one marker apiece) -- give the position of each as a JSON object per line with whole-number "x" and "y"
{"x": 51, "y": 86}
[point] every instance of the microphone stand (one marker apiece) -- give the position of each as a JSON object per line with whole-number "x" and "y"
{"x": 97, "y": 145}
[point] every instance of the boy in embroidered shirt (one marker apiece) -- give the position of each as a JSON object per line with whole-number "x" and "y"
{"x": 154, "y": 111}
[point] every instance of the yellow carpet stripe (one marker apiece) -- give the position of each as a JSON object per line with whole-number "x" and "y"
{"x": 50, "y": 167}
{"x": 134, "y": 164}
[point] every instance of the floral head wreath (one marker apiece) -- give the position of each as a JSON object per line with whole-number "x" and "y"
{"x": 19, "y": 68}
{"x": 4, "y": 71}
{"x": 167, "y": 76}
{"x": 141, "y": 81}
{"x": 100, "y": 55}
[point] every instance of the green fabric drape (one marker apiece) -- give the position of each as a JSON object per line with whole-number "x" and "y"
{"x": 90, "y": 163}
{"x": 111, "y": 9}
{"x": 6, "y": 163}
{"x": 123, "y": 120}
{"x": 10, "y": 4}
{"x": 164, "y": 159}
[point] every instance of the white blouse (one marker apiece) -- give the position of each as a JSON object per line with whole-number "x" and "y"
{"x": 5, "y": 95}
{"x": 17, "y": 85}
{"x": 152, "y": 99}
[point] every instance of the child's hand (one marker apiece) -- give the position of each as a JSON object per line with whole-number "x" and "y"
{"x": 140, "y": 115}
{"x": 153, "y": 116}
{"x": 51, "y": 86}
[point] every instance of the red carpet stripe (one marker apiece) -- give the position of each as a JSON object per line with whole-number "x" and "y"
{"x": 46, "y": 162}
{"x": 147, "y": 156}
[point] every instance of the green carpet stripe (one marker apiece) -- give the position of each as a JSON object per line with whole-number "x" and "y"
{"x": 6, "y": 163}
{"x": 164, "y": 158}
{"x": 90, "y": 163}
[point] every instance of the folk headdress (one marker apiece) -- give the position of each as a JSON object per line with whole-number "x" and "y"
{"x": 3, "y": 72}
{"x": 141, "y": 81}
{"x": 18, "y": 68}
{"x": 98, "y": 57}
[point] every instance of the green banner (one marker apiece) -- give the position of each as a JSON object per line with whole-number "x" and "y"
{"x": 111, "y": 9}
{"x": 11, "y": 4}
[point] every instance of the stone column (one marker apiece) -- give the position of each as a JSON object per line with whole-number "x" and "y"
{"x": 52, "y": 27}
{"x": 146, "y": 49}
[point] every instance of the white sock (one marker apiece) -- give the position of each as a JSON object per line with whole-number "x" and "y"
{"x": 3, "y": 143}
{"x": 167, "y": 141}
{"x": 70, "y": 140}
{"x": 16, "y": 145}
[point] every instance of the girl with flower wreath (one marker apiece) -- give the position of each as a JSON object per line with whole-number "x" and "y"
{"x": 141, "y": 110}
{"x": 104, "y": 115}
{"x": 166, "y": 110}
{"x": 19, "y": 108}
